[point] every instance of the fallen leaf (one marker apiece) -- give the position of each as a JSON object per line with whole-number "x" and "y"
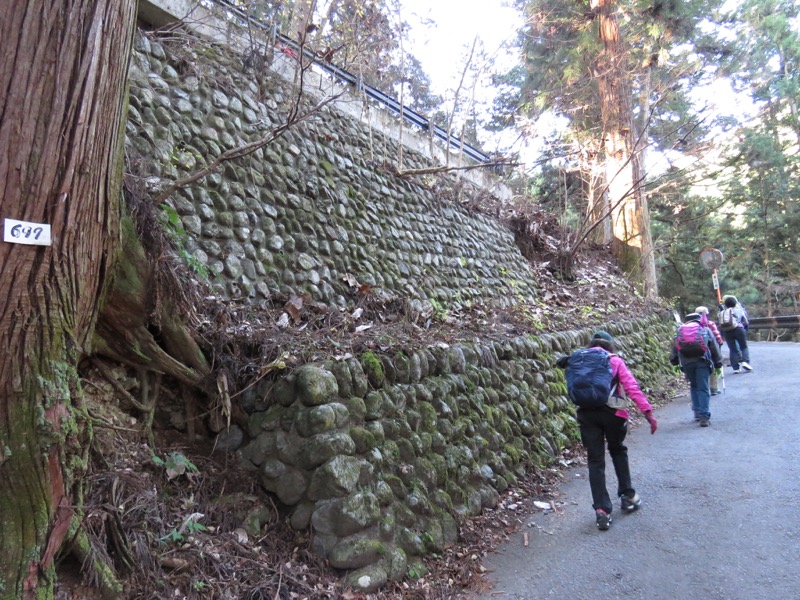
{"x": 293, "y": 307}
{"x": 176, "y": 564}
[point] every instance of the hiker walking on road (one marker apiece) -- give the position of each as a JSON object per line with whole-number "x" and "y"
{"x": 734, "y": 322}
{"x": 696, "y": 354}
{"x": 594, "y": 378}
{"x": 713, "y": 380}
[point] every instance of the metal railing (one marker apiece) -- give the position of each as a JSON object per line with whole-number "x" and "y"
{"x": 784, "y": 322}
{"x": 370, "y": 92}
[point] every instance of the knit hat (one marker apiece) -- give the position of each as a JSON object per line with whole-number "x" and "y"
{"x": 691, "y": 317}
{"x": 701, "y": 310}
{"x": 603, "y": 335}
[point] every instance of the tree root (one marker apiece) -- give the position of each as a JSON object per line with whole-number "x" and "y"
{"x": 95, "y": 565}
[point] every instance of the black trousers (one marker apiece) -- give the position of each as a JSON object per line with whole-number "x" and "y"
{"x": 601, "y": 426}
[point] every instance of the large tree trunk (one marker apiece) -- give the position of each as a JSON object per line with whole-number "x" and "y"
{"x": 63, "y": 77}
{"x": 630, "y": 217}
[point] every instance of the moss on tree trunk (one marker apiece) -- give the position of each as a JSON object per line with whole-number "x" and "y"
{"x": 64, "y": 79}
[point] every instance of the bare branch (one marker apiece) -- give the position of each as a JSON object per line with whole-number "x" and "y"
{"x": 295, "y": 117}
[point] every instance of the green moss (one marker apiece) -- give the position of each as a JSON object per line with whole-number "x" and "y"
{"x": 428, "y": 416}
{"x": 439, "y": 466}
{"x": 407, "y": 453}
{"x": 356, "y": 407}
{"x": 397, "y": 486}
{"x": 363, "y": 439}
{"x": 391, "y": 452}
{"x": 373, "y": 368}
{"x": 427, "y": 473}
{"x": 443, "y": 500}
{"x": 414, "y": 419}
{"x": 513, "y": 453}
{"x": 426, "y": 442}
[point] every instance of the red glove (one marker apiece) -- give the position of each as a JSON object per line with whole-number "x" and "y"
{"x": 652, "y": 420}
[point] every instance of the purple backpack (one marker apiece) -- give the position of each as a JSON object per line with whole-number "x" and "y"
{"x": 690, "y": 340}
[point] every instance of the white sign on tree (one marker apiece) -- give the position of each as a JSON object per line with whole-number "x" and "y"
{"x": 24, "y": 232}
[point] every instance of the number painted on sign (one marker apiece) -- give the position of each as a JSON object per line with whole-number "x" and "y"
{"x": 25, "y": 232}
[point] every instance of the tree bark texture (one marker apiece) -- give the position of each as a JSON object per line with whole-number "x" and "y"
{"x": 63, "y": 72}
{"x": 630, "y": 218}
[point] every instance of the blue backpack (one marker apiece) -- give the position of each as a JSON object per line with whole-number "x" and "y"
{"x": 589, "y": 380}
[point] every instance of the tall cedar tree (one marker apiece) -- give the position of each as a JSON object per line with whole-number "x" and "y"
{"x": 63, "y": 76}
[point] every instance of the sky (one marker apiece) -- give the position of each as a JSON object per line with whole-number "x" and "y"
{"x": 442, "y": 46}
{"x": 443, "y": 31}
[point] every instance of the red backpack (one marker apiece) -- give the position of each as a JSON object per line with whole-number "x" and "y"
{"x": 690, "y": 340}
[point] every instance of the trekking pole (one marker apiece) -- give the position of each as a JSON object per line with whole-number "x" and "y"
{"x": 723, "y": 380}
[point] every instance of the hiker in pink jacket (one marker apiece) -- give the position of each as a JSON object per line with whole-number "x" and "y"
{"x": 713, "y": 380}
{"x": 607, "y": 425}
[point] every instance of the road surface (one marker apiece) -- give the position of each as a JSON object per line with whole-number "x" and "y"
{"x": 720, "y": 518}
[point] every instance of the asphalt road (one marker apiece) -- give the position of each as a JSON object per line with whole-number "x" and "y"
{"x": 720, "y": 518}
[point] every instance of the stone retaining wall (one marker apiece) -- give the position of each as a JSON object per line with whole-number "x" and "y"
{"x": 382, "y": 456}
{"x": 379, "y": 456}
{"x": 316, "y": 211}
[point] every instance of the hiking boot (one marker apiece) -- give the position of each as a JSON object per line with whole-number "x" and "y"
{"x": 630, "y": 503}
{"x": 704, "y": 422}
{"x": 745, "y": 366}
{"x": 603, "y": 519}
{"x": 737, "y": 371}
{"x": 715, "y": 392}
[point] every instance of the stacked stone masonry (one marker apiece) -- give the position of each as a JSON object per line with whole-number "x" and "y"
{"x": 316, "y": 211}
{"x": 380, "y": 457}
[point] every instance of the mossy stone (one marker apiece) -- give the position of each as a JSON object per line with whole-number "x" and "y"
{"x": 283, "y": 392}
{"x": 369, "y": 579}
{"x": 315, "y": 386}
{"x": 374, "y": 405}
{"x": 315, "y": 419}
{"x": 363, "y": 439}
{"x": 336, "y": 478}
{"x": 356, "y": 552}
{"x": 343, "y": 377}
{"x": 360, "y": 380}
{"x": 397, "y": 486}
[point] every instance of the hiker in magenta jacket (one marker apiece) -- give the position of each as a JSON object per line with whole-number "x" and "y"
{"x": 609, "y": 425}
